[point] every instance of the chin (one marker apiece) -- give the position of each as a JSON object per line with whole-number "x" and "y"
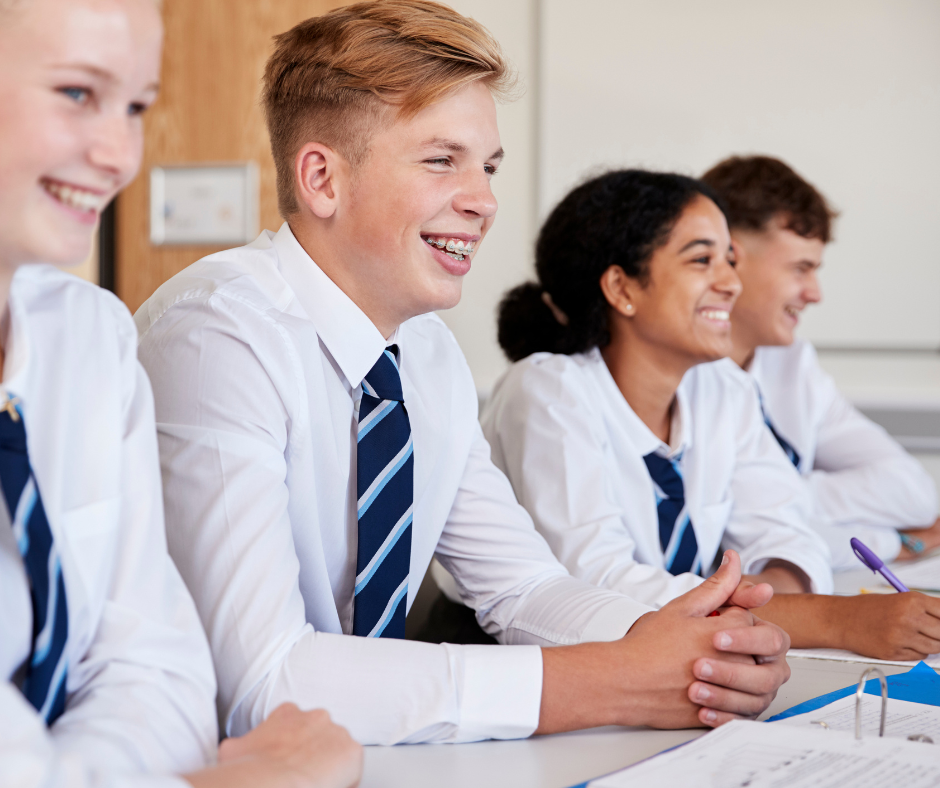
{"x": 783, "y": 338}
{"x": 444, "y": 297}
{"x": 62, "y": 249}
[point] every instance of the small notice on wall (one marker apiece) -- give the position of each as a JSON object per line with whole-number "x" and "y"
{"x": 204, "y": 204}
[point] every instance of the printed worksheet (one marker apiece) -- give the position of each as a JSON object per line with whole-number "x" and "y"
{"x": 902, "y": 720}
{"x": 767, "y": 755}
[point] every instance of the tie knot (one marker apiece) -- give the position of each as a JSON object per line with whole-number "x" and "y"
{"x": 12, "y": 432}
{"x": 383, "y": 381}
{"x": 664, "y": 473}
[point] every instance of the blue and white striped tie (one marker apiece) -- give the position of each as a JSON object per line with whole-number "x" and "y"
{"x": 385, "y": 489}
{"x": 792, "y": 454}
{"x": 676, "y": 534}
{"x": 44, "y": 678}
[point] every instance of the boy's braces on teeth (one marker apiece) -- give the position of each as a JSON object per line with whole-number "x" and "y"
{"x": 75, "y": 198}
{"x": 451, "y": 247}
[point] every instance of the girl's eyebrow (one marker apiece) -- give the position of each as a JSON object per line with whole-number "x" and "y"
{"x": 89, "y": 68}
{"x": 690, "y": 244}
{"x": 99, "y": 73}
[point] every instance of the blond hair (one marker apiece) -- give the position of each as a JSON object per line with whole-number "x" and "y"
{"x": 333, "y": 78}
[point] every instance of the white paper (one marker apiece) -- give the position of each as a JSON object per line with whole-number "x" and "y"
{"x": 761, "y": 755}
{"x": 841, "y": 655}
{"x": 920, "y": 575}
{"x": 903, "y": 718}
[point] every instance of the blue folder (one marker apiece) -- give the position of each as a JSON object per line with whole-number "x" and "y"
{"x": 920, "y": 684}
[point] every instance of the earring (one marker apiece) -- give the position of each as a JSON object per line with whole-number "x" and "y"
{"x": 629, "y": 309}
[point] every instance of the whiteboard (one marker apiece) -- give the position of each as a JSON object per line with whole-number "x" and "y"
{"x": 846, "y": 91}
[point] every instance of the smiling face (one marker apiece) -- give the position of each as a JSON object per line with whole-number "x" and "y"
{"x": 778, "y": 269}
{"x": 682, "y": 312}
{"x": 400, "y": 231}
{"x": 71, "y": 96}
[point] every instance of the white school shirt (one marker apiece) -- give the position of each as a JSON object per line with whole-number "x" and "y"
{"x": 140, "y": 685}
{"x": 573, "y": 449}
{"x": 863, "y": 482}
{"x": 256, "y": 359}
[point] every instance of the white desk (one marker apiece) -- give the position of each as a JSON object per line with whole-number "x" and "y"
{"x": 569, "y": 758}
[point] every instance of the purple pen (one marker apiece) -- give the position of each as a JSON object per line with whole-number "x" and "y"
{"x": 874, "y": 563}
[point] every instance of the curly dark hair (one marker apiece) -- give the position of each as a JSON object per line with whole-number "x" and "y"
{"x": 619, "y": 218}
{"x": 756, "y": 189}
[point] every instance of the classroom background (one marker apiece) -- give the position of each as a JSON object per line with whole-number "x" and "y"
{"x": 846, "y": 91}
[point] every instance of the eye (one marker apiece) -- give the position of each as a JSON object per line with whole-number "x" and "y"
{"x": 703, "y": 260}
{"x": 441, "y": 161}
{"x": 137, "y": 108}
{"x": 78, "y": 95}
{"x": 490, "y": 169}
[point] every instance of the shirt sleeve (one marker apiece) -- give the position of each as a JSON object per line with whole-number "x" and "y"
{"x": 29, "y": 757}
{"x": 222, "y": 376}
{"x": 141, "y": 697}
{"x": 863, "y": 477}
{"x": 772, "y": 514}
{"x": 550, "y": 442}
{"x": 506, "y": 571}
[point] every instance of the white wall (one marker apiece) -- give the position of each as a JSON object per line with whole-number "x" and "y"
{"x": 505, "y": 257}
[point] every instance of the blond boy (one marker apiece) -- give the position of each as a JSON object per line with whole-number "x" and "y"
{"x": 319, "y": 435}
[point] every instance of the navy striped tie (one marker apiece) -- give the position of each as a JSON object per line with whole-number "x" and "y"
{"x": 676, "y": 535}
{"x": 44, "y": 678}
{"x": 385, "y": 492}
{"x": 792, "y": 454}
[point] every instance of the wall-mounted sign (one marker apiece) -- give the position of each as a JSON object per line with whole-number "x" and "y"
{"x": 204, "y": 204}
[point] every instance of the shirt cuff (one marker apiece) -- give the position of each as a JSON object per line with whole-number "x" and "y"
{"x": 502, "y": 692}
{"x": 614, "y": 620}
{"x": 818, "y": 571}
{"x": 883, "y": 540}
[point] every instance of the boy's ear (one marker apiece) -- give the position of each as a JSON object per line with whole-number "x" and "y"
{"x": 316, "y": 170}
{"x": 619, "y": 290}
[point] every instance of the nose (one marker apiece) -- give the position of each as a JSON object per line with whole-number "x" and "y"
{"x": 812, "y": 292}
{"x": 117, "y": 147}
{"x": 727, "y": 281}
{"x": 475, "y": 197}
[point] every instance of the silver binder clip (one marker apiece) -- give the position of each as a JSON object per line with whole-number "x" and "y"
{"x": 858, "y": 701}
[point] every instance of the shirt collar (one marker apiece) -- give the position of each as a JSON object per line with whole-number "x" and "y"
{"x": 350, "y": 337}
{"x": 16, "y": 346}
{"x": 680, "y": 432}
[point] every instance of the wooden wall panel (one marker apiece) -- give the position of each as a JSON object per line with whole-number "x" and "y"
{"x": 208, "y": 111}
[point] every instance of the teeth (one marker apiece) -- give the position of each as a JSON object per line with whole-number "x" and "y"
{"x": 716, "y": 314}
{"x": 75, "y": 198}
{"x": 454, "y": 247}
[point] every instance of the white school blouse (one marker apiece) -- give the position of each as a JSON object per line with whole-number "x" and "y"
{"x": 573, "y": 449}
{"x": 863, "y": 483}
{"x": 256, "y": 359}
{"x": 140, "y": 682}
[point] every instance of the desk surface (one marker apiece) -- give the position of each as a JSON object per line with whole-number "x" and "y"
{"x": 569, "y": 758}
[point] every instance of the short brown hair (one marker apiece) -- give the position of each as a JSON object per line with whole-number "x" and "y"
{"x": 757, "y": 189}
{"x": 332, "y": 77}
